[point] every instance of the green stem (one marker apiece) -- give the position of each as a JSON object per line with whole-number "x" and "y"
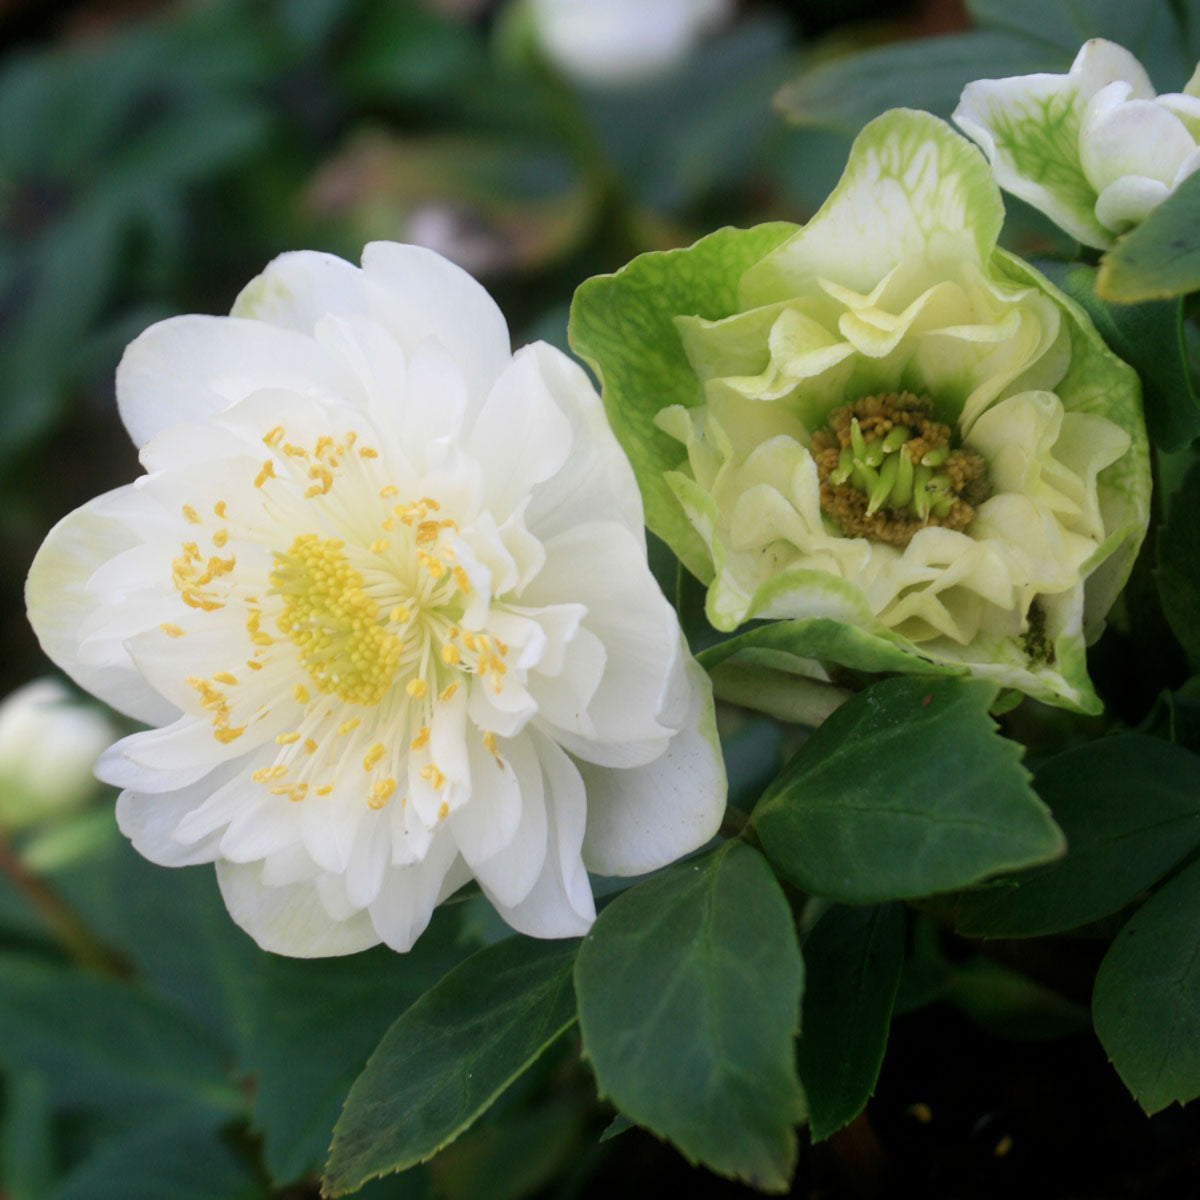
{"x": 787, "y": 697}
{"x": 63, "y": 922}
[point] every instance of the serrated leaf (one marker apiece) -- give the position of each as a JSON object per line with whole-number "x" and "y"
{"x": 1130, "y": 808}
{"x": 1161, "y": 256}
{"x": 852, "y": 959}
{"x": 626, "y": 321}
{"x": 689, "y": 988}
{"x": 1149, "y": 337}
{"x": 1178, "y": 573}
{"x": 447, "y": 1058}
{"x": 907, "y": 790}
{"x": 1146, "y": 1006}
{"x": 845, "y": 93}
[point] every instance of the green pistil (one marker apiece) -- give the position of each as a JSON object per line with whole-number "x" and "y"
{"x": 884, "y": 471}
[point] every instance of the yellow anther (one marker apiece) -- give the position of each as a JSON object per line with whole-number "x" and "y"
{"x": 272, "y": 439}
{"x": 350, "y": 438}
{"x": 430, "y": 503}
{"x": 294, "y": 451}
{"x": 219, "y": 509}
{"x": 324, "y": 442}
{"x": 346, "y": 726}
{"x": 224, "y": 734}
{"x": 381, "y": 790}
{"x": 373, "y": 755}
{"x": 301, "y": 693}
{"x": 325, "y": 790}
{"x": 427, "y": 531}
{"x": 469, "y": 641}
{"x": 421, "y": 739}
{"x": 190, "y": 515}
{"x": 447, "y": 691}
{"x": 388, "y": 489}
{"x": 253, "y": 665}
{"x": 433, "y": 775}
{"x": 225, "y": 677}
{"x": 417, "y": 688}
{"x": 400, "y": 614}
{"x": 489, "y": 740}
{"x": 501, "y": 646}
{"x": 171, "y": 629}
{"x": 462, "y": 579}
{"x": 453, "y": 632}
{"x": 434, "y": 566}
{"x": 388, "y": 523}
{"x": 379, "y": 545}
{"x": 220, "y": 537}
{"x": 267, "y": 472}
{"x": 443, "y": 809}
{"x": 286, "y": 739}
{"x": 450, "y": 654}
{"x": 267, "y": 774}
{"x": 367, "y": 452}
{"x": 310, "y": 746}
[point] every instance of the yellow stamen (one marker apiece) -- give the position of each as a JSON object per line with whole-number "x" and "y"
{"x": 171, "y": 629}
{"x": 380, "y": 791}
{"x": 267, "y": 472}
{"x": 373, "y": 755}
{"x": 286, "y": 739}
{"x": 417, "y": 688}
{"x": 190, "y": 515}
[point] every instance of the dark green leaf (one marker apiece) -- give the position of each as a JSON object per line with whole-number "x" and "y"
{"x": 181, "y": 1155}
{"x": 1130, "y": 808}
{"x": 449, "y": 1056}
{"x": 689, "y": 991}
{"x": 26, "y": 1137}
{"x": 1150, "y": 338}
{"x": 905, "y": 791}
{"x": 1009, "y": 1004}
{"x": 1146, "y": 1005}
{"x": 845, "y": 93}
{"x": 852, "y": 960}
{"x": 1161, "y": 256}
{"x": 1178, "y": 574}
{"x": 314, "y": 1024}
{"x": 106, "y": 1043}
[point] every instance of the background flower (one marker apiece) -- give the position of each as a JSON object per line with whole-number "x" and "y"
{"x": 1096, "y": 150}
{"x": 1027, "y": 469}
{"x": 384, "y": 590}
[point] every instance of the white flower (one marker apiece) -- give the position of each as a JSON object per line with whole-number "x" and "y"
{"x": 49, "y": 742}
{"x": 384, "y": 587}
{"x": 1095, "y": 150}
{"x": 615, "y": 42}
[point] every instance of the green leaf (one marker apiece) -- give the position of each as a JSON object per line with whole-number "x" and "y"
{"x": 1146, "y": 1006}
{"x": 689, "y": 990}
{"x": 26, "y": 1137}
{"x": 1178, "y": 573}
{"x": 905, "y": 791}
{"x": 1161, "y": 256}
{"x": 1150, "y": 338}
{"x": 1130, "y": 808}
{"x": 852, "y": 959}
{"x": 930, "y": 73}
{"x": 314, "y": 1024}
{"x": 108, "y": 1044}
{"x": 447, "y": 1058}
{"x": 179, "y": 1154}
{"x": 626, "y": 321}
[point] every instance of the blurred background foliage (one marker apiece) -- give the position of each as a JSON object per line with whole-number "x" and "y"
{"x": 153, "y": 158}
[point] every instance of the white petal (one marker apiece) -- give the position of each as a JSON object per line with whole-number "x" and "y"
{"x": 298, "y": 288}
{"x": 290, "y": 919}
{"x": 1128, "y": 201}
{"x": 642, "y": 818}
{"x": 406, "y": 900}
{"x": 424, "y": 295}
{"x": 59, "y": 604}
{"x": 189, "y": 368}
{"x": 489, "y": 822}
{"x": 1130, "y": 137}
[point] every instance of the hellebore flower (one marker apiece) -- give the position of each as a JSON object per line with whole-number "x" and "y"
{"x": 49, "y": 742}
{"x": 898, "y": 437}
{"x": 612, "y": 43}
{"x": 1095, "y": 150}
{"x": 384, "y": 588}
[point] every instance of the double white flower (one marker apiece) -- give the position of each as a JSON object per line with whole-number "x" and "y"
{"x": 1095, "y": 150}
{"x": 384, "y": 588}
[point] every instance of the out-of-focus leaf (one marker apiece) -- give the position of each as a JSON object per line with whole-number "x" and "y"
{"x": 1146, "y": 1005}
{"x": 689, "y": 988}
{"x": 108, "y": 1044}
{"x": 1009, "y": 1004}
{"x": 26, "y": 1137}
{"x": 852, "y": 959}
{"x": 314, "y": 1022}
{"x": 1160, "y": 257}
{"x": 907, "y": 790}
{"x": 845, "y": 93}
{"x": 1130, "y": 808}
{"x": 447, "y": 1058}
{"x": 1150, "y": 338}
{"x": 1178, "y": 573}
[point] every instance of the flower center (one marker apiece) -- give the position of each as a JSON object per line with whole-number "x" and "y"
{"x": 887, "y": 470}
{"x": 343, "y": 641}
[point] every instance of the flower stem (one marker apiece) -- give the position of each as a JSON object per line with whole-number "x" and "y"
{"x": 779, "y": 694}
{"x": 84, "y": 946}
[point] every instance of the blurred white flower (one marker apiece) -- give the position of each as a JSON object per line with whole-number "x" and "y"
{"x": 617, "y": 42}
{"x": 49, "y": 742}
{"x": 385, "y": 589}
{"x": 1095, "y": 150}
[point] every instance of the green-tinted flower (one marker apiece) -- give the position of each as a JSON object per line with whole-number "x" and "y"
{"x": 881, "y": 427}
{"x": 1096, "y": 150}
